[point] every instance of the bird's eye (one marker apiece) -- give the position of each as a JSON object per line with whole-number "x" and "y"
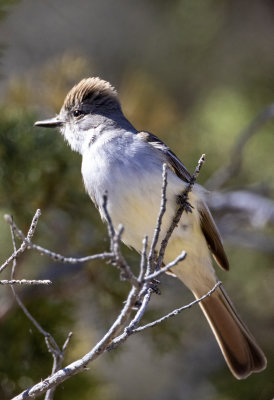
{"x": 77, "y": 113}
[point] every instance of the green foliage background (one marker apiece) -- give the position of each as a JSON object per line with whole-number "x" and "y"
{"x": 202, "y": 74}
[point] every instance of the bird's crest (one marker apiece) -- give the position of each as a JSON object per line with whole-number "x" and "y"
{"x": 92, "y": 89}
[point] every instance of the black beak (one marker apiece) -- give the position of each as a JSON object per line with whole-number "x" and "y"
{"x": 50, "y": 123}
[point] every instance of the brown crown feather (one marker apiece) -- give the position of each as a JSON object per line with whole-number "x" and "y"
{"x": 89, "y": 88}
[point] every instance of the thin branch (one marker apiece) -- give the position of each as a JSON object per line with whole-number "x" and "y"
{"x": 58, "y": 359}
{"x": 111, "y": 231}
{"x": 70, "y": 260}
{"x": 131, "y": 329}
{"x": 25, "y": 282}
{"x": 157, "y": 231}
{"x": 115, "y": 238}
{"x": 119, "y": 260}
{"x": 166, "y": 268}
{"x": 51, "y": 254}
{"x": 21, "y": 304}
{"x": 183, "y": 206}
{"x": 80, "y": 365}
{"x": 144, "y": 260}
{"x": 134, "y": 322}
{"x": 177, "y": 311}
{"x": 15, "y": 254}
{"x": 24, "y": 245}
{"x": 255, "y": 208}
{"x": 66, "y": 343}
{"x": 53, "y": 348}
{"x": 223, "y": 175}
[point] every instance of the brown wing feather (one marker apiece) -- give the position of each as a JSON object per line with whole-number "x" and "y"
{"x": 212, "y": 236}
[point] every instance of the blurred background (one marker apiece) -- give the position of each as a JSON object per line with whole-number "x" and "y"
{"x": 195, "y": 73}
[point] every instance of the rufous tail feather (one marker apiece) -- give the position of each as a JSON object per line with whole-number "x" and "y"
{"x": 239, "y": 348}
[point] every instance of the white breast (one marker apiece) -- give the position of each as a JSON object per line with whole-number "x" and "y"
{"x": 131, "y": 173}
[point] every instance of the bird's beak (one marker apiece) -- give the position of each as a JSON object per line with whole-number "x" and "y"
{"x": 50, "y": 123}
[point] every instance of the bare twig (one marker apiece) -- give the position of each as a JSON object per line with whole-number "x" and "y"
{"x": 16, "y": 254}
{"x": 25, "y": 282}
{"x": 111, "y": 231}
{"x": 157, "y": 231}
{"x": 115, "y": 238}
{"x": 133, "y": 323}
{"x": 66, "y": 343}
{"x": 255, "y": 208}
{"x": 23, "y": 307}
{"x": 58, "y": 359}
{"x": 119, "y": 260}
{"x": 70, "y": 260}
{"x": 80, "y": 365}
{"x": 144, "y": 260}
{"x": 223, "y": 175}
{"x": 177, "y": 311}
{"x": 166, "y": 268}
{"x": 24, "y": 245}
{"x": 53, "y": 348}
{"x": 131, "y": 329}
{"x": 183, "y": 206}
{"x": 51, "y": 254}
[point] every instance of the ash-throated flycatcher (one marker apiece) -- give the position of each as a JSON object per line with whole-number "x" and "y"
{"x": 128, "y": 164}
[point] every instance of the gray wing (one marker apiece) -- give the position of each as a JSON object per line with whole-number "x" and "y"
{"x": 174, "y": 163}
{"x": 208, "y": 226}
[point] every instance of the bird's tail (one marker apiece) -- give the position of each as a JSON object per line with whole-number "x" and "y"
{"x": 239, "y": 348}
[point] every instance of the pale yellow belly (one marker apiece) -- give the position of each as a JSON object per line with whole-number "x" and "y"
{"x": 139, "y": 220}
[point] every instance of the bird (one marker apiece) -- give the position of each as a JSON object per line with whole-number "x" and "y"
{"x": 127, "y": 164}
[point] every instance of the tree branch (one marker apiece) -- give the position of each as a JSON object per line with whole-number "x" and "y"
{"x": 157, "y": 231}
{"x": 24, "y": 245}
{"x": 25, "y": 282}
{"x": 177, "y": 310}
{"x": 183, "y": 206}
{"x": 223, "y": 175}
{"x": 51, "y": 254}
{"x": 53, "y": 348}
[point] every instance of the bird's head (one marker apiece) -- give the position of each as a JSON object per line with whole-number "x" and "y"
{"x": 89, "y": 107}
